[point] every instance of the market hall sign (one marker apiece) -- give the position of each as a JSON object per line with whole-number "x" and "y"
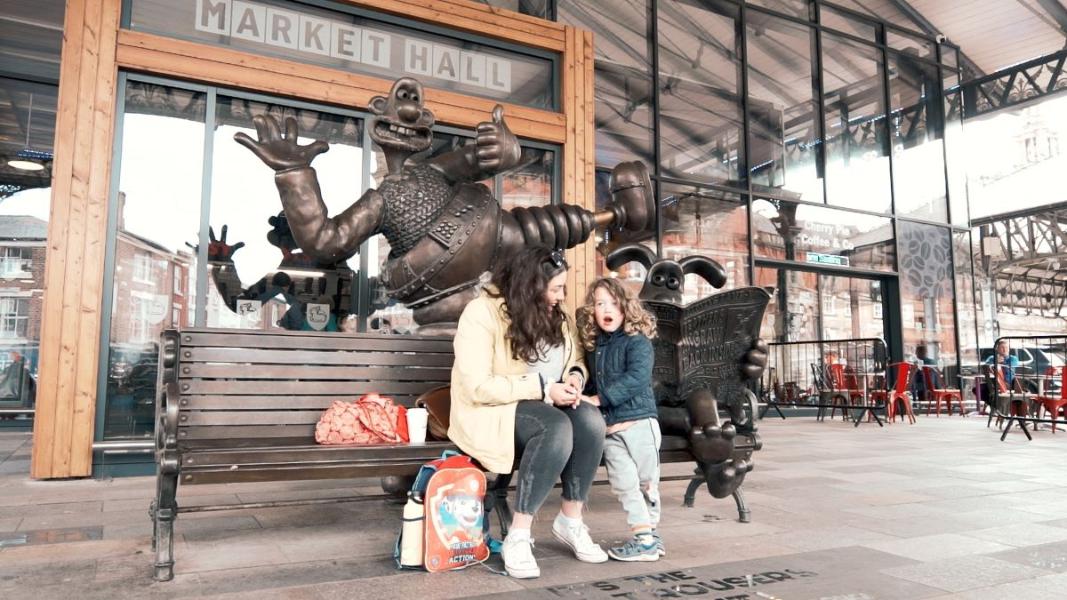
{"x": 313, "y": 35}
{"x": 356, "y": 42}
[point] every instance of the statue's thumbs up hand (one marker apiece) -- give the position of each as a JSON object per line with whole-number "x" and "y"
{"x": 496, "y": 148}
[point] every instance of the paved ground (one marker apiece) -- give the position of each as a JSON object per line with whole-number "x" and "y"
{"x": 937, "y": 510}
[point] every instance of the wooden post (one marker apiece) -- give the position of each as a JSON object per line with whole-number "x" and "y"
{"x": 77, "y": 226}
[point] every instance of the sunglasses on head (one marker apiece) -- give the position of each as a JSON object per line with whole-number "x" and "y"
{"x": 557, "y": 260}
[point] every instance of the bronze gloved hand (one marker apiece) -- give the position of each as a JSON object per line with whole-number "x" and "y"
{"x": 755, "y": 360}
{"x": 280, "y": 151}
{"x": 497, "y": 148}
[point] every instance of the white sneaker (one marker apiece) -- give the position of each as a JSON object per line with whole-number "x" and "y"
{"x": 517, "y": 551}
{"x": 577, "y": 539}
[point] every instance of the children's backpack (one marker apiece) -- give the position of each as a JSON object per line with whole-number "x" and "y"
{"x": 451, "y": 493}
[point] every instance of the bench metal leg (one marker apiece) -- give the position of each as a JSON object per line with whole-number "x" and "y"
{"x": 691, "y": 490}
{"x": 743, "y": 514}
{"x": 166, "y": 510}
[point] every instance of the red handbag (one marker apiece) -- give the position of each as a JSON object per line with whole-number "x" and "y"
{"x": 372, "y": 419}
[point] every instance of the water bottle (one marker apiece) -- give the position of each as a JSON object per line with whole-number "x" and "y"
{"x": 411, "y": 538}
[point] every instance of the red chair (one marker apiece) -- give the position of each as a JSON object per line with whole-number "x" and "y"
{"x": 940, "y": 395}
{"x": 843, "y": 386}
{"x": 899, "y": 393}
{"x": 1052, "y": 404}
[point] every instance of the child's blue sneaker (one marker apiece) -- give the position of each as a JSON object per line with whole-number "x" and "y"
{"x": 659, "y": 543}
{"x": 638, "y": 549}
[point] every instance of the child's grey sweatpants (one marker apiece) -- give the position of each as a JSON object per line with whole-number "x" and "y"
{"x": 632, "y": 459}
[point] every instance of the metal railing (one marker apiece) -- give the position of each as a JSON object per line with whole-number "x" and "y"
{"x": 799, "y": 374}
{"x": 1029, "y": 382}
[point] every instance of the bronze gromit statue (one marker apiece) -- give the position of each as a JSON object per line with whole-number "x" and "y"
{"x": 444, "y": 229}
{"x": 705, "y": 351}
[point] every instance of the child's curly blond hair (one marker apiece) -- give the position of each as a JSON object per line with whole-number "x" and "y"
{"x": 635, "y": 319}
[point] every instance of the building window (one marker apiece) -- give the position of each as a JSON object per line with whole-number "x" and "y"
{"x": 14, "y": 315}
{"x": 15, "y": 262}
{"x": 142, "y": 268}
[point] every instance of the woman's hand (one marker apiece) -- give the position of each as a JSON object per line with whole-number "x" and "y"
{"x": 575, "y": 380}
{"x": 564, "y": 395}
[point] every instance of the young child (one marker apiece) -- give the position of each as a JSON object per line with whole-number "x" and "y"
{"x": 615, "y": 330}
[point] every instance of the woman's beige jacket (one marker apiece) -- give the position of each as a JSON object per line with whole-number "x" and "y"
{"x": 487, "y": 383}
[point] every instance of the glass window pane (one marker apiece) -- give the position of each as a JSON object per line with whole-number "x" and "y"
{"x": 926, "y": 291}
{"x": 949, "y": 56}
{"x": 623, "y": 115}
{"x": 31, "y": 38}
{"x": 155, "y": 264}
{"x": 793, "y": 312}
{"x": 709, "y": 223}
{"x": 955, "y": 148}
{"x": 847, "y": 23}
{"x": 910, "y": 44}
{"x": 783, "y": 114}
{"x": 796, "y": 8}
{"x": 916, "y": 129}
{"x": 857, "y": 163}
{"x": 620, "y": 29}
{"x": 818, "y": 235}
{"x": 529, "y": 184}
{"x": 965, "y": 297}
{"x": 700, "y": 109}
{"x": 27, "y": 129}
{"x": 269, "y": 283}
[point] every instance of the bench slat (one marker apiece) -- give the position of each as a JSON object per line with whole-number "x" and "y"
{"x": 303, "y": 388}
{"x": 306, "y": 372}
{"x": 225, "y": 432}
{"x": 307, "y": 341}
{"x": 216, "y": 418}
{"x": 254, "y": 402}
{"x": 325, "y": 356}
{"x": 402, "y": 453}
{"x": 298, "y": 473}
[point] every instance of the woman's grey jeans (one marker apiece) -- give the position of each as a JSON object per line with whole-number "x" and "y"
{"x": 556, "y": 444}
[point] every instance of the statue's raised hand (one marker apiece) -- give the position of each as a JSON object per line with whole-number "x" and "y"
{"x": 280, "y": 151}
{"x": 218, "y": 251}
{"x": 497, "y": 148}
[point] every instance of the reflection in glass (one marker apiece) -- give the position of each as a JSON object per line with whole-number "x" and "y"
{"x": 700, "y": 112}
{"x": 818, "y": 235}
{"x": 708, "y": 223}
{"x": 916, "y": 130}
{"x": 847, "y": 23}
{"x": 623, "y": 115}
{"x": 910, "y": 44}
{"x": 857, "y": 161}
{"x": 965, "y": 298}
{"x": 25, "y": 198}
{"x": 529, "y": 184}
{"x": 535, "y": 8}
{"x": 926, "y": 291}
{"x": 782, "y": 110}
{"x": 620, "y": 29}
{"x": 796, "y": 8}
{"x": 158, "y": 220}
{"x": 852, "y": 308}
{"x": 793, "y": 312}
{"x": 955, "y": 149}
{"x": 269, "y": 283}
{"x": 623, "y": 75}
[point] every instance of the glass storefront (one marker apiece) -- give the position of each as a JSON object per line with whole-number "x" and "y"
{"x": 25, "y": 199}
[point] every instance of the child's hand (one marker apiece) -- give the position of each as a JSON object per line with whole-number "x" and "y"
{"x": 594, "y": 400}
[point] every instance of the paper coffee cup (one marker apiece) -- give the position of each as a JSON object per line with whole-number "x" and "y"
{"x": 417, "y": 425}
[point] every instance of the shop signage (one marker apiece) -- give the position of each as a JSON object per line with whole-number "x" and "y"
{"x": 309, "y": 34}
{"x": 827, "y": 259}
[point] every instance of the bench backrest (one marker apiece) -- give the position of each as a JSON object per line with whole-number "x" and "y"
{"x": 241, "y": 388}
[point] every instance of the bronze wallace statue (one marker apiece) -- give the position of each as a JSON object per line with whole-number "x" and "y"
{"x": 444, "y": 229}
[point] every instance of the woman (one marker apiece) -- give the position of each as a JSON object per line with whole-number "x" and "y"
{"x": 516, "y": 387}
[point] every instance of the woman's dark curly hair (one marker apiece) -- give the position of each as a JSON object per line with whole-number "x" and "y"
{"x": 521, "y": 282}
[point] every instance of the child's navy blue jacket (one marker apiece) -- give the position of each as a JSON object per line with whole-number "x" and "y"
{"x": 620, "y": 373}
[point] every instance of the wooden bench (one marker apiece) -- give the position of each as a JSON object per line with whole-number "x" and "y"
{"x": 239, "y": 406}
